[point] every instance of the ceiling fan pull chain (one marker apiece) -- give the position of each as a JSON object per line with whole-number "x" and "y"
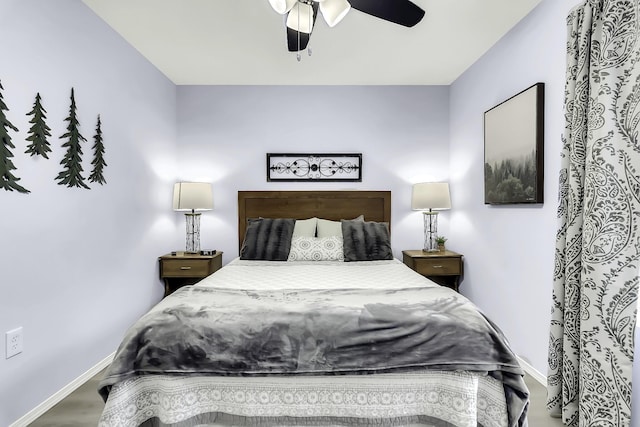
{"x": 310, "y": 26}
{"x": 298, "y": 56}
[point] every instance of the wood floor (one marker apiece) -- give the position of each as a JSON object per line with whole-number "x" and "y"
{"x": 538, "y": 415}
{"x": 83, "y": 407}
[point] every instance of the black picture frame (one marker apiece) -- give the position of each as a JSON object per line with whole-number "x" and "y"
{"x": 514, "y": 149}
{"x": 304, "y": 167}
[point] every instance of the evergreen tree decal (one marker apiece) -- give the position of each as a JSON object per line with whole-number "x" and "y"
{"x": 71, "y": 176}
{"x": 7, "y": 180}
{"x": 39, "y": 131}
{"x": 98, "y": 156}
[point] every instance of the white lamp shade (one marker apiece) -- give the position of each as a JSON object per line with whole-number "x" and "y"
{"x": 282, "y": 6}
{"x": 334, "y": 10}
{"x": 196, "y": 196}
{"x": 300, "y": 18}
{"x": 430, "y": 195}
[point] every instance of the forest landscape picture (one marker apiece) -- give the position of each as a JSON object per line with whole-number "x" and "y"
{"x": 514, "y": 149}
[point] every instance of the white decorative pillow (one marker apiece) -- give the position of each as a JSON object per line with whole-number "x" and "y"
{"x": 305, "y": 227}
{"x": 328, "y": 228}
{"x": 316, "y": 249}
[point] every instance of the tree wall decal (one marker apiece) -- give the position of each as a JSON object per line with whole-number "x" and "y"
{"x": 8, "y": 181}
{"x": 39, "y": 130}
{"x": 98, "y": 158}
{"x": 71, "y": 175}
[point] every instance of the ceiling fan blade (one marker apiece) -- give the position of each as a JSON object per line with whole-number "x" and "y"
{"x": 402, "y": 12}
{"x": 298, "y": 40}
{"x": 293, "y": 43}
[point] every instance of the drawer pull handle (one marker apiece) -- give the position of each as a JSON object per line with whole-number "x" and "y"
{"x": 185, "y": 268}
{"x": 437, "y": 266}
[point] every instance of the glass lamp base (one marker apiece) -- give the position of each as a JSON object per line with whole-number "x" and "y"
{"x": 193, "y": 232}
{"x": 430, "y": 232}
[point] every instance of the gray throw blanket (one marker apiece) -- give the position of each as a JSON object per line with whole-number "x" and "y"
{"x": 214, "y": 331}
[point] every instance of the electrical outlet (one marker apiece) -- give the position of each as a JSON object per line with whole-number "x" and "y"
{"x": 14, "y": 342}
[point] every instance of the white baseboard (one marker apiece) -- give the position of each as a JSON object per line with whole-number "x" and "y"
{"x": 537, "y": 375}
{"x": 36, "y": 412}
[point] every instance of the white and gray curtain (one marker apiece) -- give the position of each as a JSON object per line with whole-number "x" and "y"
{"x": 598, "y": 241}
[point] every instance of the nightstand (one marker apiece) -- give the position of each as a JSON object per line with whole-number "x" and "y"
{"x": 184, "y": 269}
{"x": 444, "y": 268}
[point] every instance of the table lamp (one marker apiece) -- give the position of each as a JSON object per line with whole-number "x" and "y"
{"x": 191, "y": 197}
{"x": 430, "y": 197}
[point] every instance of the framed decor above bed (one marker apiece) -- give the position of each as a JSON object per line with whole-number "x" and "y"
{"x": 314, "y": 167}
{"x": 514, "y": 149}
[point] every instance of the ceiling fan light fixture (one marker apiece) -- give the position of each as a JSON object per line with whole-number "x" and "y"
{"x": 333, "y": 11}
{"x": 300, "y": 18}
{"x": 282, "y": 6}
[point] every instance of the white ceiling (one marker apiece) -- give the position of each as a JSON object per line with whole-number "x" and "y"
{"x": 243, "y": 42}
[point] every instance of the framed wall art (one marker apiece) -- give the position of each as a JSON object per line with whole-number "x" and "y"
{"x": 314, "y": 167}
{"x": 514, "y": 149}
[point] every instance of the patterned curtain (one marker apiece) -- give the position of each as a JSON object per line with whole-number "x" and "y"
{"x": 598, "y": 241}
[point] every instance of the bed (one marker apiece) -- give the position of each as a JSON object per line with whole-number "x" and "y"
{"x": 314, "y": 325}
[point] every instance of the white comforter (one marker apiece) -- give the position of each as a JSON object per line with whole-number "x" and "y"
{"x": 463, "y": 399}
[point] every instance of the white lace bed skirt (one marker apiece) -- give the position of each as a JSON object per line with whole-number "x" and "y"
{"x": 438, "y": 398}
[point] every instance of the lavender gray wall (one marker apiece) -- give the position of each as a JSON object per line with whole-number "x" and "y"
{"x": 224, "y": 133}
{"x": 79, "y": 266}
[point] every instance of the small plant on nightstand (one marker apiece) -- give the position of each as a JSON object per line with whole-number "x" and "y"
{"x": 440, "y": 241}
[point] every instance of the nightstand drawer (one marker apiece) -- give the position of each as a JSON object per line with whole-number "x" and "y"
{"x": 438, "y": 267}
{"x": 185, "y": 268}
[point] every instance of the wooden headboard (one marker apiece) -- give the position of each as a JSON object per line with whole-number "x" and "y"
{"x": 332, "y": 205}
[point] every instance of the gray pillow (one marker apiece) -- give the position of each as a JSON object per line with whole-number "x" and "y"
{"x": 267, "y": 239}
{"x": 366, "y": 241}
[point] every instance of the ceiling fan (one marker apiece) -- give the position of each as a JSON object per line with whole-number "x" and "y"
{"x": 302, "y": 14}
